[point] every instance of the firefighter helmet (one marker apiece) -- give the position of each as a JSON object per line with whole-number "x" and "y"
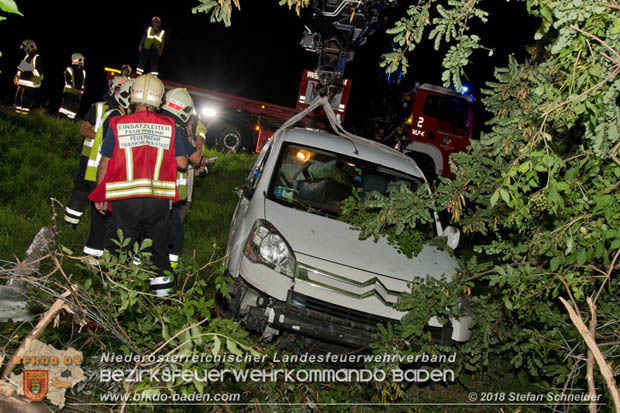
{"x": 77, "y": 59}
{"x": 116, "y": 82}
{"x": 179, "y": 104}
{"x": 124, "y": 95}
{"x": 147, "y": 90}
{"x": 29, "y": 46}
{"x": 127, "y": 69}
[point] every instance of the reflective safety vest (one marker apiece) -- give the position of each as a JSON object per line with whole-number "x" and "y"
{"x": 143, "y": 163}
{"x": 30, "y": 78}
{"x": 69, "y": 86}
{"x": 94, "y": 157}
{"x": 102, "y": 107}
{"x": 153, "y": 38}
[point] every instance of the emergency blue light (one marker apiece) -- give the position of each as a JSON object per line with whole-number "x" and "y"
{"x": 465, "y": 89}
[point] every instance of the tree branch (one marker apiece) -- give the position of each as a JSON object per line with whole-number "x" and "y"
{"x": 606, "y": 371}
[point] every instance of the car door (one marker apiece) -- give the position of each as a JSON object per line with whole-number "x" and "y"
{"x": 244, "y": 215}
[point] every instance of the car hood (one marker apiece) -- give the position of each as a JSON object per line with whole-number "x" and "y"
{"x": 332, "y": 240}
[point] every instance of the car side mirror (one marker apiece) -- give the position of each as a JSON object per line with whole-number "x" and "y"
{"x": 453, "y": 235}
{"x": 244, "y": 191}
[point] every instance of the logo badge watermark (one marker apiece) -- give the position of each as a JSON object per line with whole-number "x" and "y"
{"x": 36, "y": 384}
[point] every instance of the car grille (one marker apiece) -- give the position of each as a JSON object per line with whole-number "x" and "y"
{"x": 346, "y": 286}
{"x": 346, "y": 316}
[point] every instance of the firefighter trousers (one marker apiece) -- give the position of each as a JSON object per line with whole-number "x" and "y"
{"x": 149, "y": 56}
{"x": 24, "y": 99}
{"x": 139, "y": 219}
{"x": 177, "y": 233}
{"x": 79, "y": 195}
{"x": 98, "y": 229}
{"x": 70, "y": 105}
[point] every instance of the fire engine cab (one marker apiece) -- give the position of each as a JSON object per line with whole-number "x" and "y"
{"x": 439, "y": 123}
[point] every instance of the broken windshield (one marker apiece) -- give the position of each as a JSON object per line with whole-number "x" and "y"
{"x": 318, "y": 181}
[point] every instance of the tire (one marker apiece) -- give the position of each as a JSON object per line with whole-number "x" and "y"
{"x": 233, "y": 139}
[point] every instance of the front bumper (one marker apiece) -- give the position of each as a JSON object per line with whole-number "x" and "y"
{"x": 320, "y": 306}
{"x": 321, "y": 320}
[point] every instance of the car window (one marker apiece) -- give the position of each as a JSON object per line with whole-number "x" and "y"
{"x": 319, "y": 181}
{"x": 257, "y": 169}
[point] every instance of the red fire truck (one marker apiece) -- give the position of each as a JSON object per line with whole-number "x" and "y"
{"x": 434, "y": 122}
{"x": 439, "y": 123}
{"x": 238, "y": 124}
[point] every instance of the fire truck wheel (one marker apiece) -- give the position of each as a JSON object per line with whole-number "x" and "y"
{"x": 233, "y": 139}
{"x": 426, "y": 164}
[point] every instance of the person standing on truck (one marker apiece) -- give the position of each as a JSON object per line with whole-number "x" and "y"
{"x": 99, "y": 222}
{"x": 140, "y": 155}
{"x": 151, "y": 47}
{"x": 90, "y": 126}
{"x": 28, "y": 78}
{"x": 75, "y": 84}
{"x": 179, "y": 105}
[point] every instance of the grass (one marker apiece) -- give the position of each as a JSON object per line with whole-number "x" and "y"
{"x": 37, "y": 163}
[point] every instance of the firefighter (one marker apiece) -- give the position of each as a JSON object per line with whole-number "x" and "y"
{"x": 179, "y": 106}
{"x": 28, "y": 78}
{"x": 90, "y": 125}
{"x": 151, "y": 47}
{"x": 126, "y": 70}
{"x": 137, "y": 176}
{"x": 99, "y": 222}
{"x": 75, "y": 84}
{"x": 198, "y": 130}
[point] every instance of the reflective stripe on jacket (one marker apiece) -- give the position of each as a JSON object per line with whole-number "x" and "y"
{"x": 94, "y": 157}
{"x": 30, "y": 78}
{"x": 70, "y": 86}
{"x": 143, "y": 163}
{"x": 153, "y": 39}
{"x": 88, "y": 143}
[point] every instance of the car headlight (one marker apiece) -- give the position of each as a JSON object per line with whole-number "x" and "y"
{"x": 266, "y": 246}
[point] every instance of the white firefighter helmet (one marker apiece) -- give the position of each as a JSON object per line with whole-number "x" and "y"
{"x": 123, "y": 97}
{"x": 179, "y": 103}
{"x": 77, "y": 59}
{"x": 117, "y": 81}
{"x": 147, "y": 90}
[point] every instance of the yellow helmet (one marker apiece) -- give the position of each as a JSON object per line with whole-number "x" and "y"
{"x": 147, "y": 90}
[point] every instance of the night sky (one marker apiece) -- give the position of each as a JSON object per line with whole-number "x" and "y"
{"x": 259, "y": 57}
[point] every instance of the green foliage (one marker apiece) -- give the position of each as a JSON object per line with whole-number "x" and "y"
{"x": 537, "y": 195}
{"x": 450, "y": 27}
{"x": 8, "y": 6}
{"x": 394, "y": 216}
{"x": 221, "y": 10}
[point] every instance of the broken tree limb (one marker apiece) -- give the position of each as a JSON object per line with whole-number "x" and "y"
{"x": 598, "y": 356}
{"x": 590, "y": 361}
{"x": 49, "y": 315}
{"x": 13, "y": 300}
